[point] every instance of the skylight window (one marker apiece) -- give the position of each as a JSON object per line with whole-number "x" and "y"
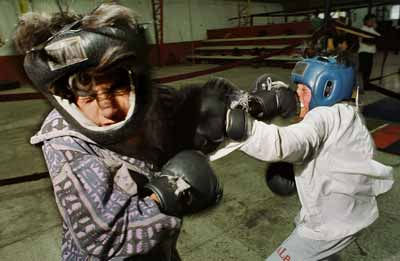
{"x": 395, "y": 12}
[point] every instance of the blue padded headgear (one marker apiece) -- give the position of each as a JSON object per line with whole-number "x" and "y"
{"x": 329, "y": 81}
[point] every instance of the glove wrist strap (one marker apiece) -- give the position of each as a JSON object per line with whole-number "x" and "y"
{"x": 238, "y": 124}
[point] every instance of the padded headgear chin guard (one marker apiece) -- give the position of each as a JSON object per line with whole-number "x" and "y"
{"x": 329, "y": 81}
{"x": 75, "y": 49}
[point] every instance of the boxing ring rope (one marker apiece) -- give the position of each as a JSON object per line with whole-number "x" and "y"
{"x": 20, "y": 96}
{"x": 23, "y": 179}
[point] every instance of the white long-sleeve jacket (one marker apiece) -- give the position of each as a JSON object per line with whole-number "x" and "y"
{"x": 336, "y": 175}
{"x": 368, "y": 48}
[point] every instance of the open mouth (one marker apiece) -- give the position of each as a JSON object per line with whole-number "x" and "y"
{"x": 108, "y": 123}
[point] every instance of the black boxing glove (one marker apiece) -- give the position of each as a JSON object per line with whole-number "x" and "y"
{"x": 267, "y": 82}
{"x": 263, "y": 105}
{"x": 238, "y": 125}
{"x": 287, "y": 102}
{"x": 280, "y": 178}
{"x": 187, "y": 184}
{"x": 271, "y": 97}
{"x": 216, "y": 121}
{"x": 214, "y": 103}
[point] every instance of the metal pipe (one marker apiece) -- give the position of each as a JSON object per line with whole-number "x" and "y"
{"x": 327, "y": 12}
{"x": 369, "y": 6}
{"x": 191, "y": 27}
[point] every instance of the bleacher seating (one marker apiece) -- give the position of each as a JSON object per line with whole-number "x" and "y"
{"x": 241, "y": 43}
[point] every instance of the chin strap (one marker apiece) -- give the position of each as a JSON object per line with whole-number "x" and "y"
{"x": 238, "y": 125}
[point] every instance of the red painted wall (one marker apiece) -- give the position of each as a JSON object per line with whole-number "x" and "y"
{"x": 173, "y": 53}
{"x": 11, "y": 67}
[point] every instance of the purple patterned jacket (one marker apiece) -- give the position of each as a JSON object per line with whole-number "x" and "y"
{"x": 103, "y": 216}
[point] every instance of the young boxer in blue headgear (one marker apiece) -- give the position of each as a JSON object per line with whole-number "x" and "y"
{"x": 335, "y": 173}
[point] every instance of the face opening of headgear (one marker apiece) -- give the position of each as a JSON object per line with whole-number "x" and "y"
{"x": 329, "y": 81}
{"x": 82, "y": 84}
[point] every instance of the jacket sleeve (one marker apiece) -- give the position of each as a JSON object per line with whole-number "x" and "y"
{"x": 293, "y": 143}
{"x": 98, "y": 201}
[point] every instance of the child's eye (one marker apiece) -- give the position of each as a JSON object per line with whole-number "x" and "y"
{"x": 86, "y": 99}
{"x": 119, "y": 88}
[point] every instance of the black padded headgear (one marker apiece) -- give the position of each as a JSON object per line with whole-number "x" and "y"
{"x": 76, "y": 49}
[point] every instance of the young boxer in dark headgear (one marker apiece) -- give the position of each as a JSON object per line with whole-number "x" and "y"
{"x": 117, "y": 147}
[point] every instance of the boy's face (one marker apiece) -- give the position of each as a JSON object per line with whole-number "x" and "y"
{"x": 304, "y": 94}
{"x": 108, "y": 102}
{"x": 371, "y": 22}
{"x": 343, "y": 46}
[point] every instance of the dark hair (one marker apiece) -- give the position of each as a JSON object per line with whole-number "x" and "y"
{"x": 369, "y": 17}
{"x": 339, "y": 39}
{"x": 35, "y": 28}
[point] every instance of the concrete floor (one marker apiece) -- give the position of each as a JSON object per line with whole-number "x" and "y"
{"x": 248, "y": 224}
